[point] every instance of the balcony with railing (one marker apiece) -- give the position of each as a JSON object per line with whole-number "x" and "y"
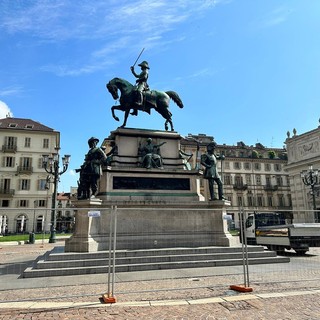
{"x": 24, "y": 169}
{"x": 240, "y": 186}
{"x": 9, "y": 148}
{"x": 4, "y": 192}
{"x": 270, "y": 187}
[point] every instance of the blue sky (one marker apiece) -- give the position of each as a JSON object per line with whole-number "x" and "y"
{"x": 246, "y": 70}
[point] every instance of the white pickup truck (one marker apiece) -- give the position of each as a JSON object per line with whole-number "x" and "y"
{"x": 271, "y": 230}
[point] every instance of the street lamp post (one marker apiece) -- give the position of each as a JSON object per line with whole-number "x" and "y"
{"x": 32, "y": 237}
{"x": 310, "y": 178}
{"x": 51, "y": 165}
{"x": 34, "y": 215}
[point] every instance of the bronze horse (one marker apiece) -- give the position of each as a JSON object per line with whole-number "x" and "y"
{"x": 153, "y": 99}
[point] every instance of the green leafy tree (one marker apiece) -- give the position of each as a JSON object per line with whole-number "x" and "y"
{"x": 271, "y": 154}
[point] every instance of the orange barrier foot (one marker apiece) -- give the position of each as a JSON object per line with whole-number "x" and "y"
{"x": 241, "y": 288}
{"x": 108, "y": 299}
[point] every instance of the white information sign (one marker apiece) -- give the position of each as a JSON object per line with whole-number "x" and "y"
{"x": 94, "y": 214}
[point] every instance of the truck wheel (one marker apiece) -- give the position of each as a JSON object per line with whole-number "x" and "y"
{"x": 280, "y": 250}
{"x": 300, "y": 252}
{"x": 271, "y": 248}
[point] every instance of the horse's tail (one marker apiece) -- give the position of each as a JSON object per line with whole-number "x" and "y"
{"x": 175, "y": 97}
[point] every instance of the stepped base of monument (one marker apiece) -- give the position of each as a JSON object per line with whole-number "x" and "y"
{"x": 63, "y": 264}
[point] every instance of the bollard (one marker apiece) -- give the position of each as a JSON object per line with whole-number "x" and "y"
{"x": 32, "y": 238}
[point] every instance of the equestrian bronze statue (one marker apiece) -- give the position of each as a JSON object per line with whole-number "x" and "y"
{"x": 153, "y": 99}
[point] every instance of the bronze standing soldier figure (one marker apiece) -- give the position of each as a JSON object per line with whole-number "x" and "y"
{"x": 93, "y": 161}
{"x": 209, "y": 161}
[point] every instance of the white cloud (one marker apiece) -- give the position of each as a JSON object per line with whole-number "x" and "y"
{"x": 10, "y": 91}
{"x": 4, "y": 110}
{"x": 206, "y": 72}
{"x": 60, "y": 20}
{"x": 72, "y": 172}
{"x": 276, "y": 17}
{"x": 121, "y": 25}
{"x": 64, "y": 20}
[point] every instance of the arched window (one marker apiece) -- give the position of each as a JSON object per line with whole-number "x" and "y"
{"x": 3, "y": 224}
{"x": 39, "y": 224}
{"x": 21, "y": 223}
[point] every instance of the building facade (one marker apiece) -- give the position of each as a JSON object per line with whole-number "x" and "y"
{"x": 303, "y": 157}
{"x": 254, "y": 177}
{"x": 65, "y": 212}
{"x": 25, "y": 193}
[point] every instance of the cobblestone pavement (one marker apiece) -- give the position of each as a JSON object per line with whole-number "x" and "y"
{"x": 279, "y": 292}
{"x": 299, "y": 306}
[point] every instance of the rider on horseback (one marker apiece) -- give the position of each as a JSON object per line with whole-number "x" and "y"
{"x": 141, "y": 83}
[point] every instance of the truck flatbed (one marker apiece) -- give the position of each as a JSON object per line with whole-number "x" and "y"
{"x": 299, "y": 236}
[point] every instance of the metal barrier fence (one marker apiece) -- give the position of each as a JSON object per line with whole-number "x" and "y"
{"x": 137, "y": 254}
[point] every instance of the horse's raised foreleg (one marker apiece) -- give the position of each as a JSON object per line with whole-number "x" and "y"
{"x": 113, "y": 114}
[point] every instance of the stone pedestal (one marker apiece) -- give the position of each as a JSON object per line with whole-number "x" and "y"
{"x": 86, "y": 228}
{"x": 148, "y": 224}
{"x": 156, "y": 208}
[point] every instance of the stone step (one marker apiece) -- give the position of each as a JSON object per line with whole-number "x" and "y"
{"x": 63, "y": 264}
{"x": 48, "y": 264}
{"x": 149, "y": 252}
{"x": 33, "y": 273}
